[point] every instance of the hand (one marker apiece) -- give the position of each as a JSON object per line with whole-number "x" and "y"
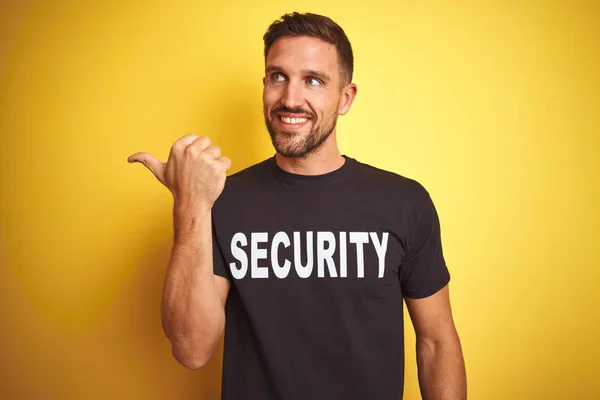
{"x": 194, "y": 173}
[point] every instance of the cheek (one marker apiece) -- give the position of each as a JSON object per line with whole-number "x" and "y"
{"x": 325, "y": 101}
{"x": 271, "y": 95}
{"x": 265, "y": 98}
{"x": 326, "y": 108}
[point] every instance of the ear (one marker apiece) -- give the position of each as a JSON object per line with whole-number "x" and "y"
{"x": 347, "y": 97}
{"x": 263, "y": 80}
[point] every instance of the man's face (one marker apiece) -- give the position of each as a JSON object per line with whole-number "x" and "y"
{"x": 301, "y": 94}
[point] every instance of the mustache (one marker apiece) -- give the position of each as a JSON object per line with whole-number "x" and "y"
{"x": 296, "y": 110}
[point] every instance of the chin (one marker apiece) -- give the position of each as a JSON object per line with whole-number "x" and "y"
{"x": 296, "y": 143}
{"x": 288, "y": 148}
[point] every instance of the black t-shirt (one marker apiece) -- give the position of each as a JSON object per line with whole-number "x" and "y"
{"x": 319, "y": 267}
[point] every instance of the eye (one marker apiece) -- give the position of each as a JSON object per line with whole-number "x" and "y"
{"x": 313, "y": 81}
{"x": 277, "y": 77}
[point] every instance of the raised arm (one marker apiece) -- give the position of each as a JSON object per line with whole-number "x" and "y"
{"x": 193, "y": 303}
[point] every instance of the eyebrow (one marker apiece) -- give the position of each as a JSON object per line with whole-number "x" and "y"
{"x": 324, "y": 77}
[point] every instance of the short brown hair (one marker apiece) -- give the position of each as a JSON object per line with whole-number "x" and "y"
{"x": 314, "y": 25}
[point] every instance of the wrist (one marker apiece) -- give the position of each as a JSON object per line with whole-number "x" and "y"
{"x": 191, "y": 221}
{"x": 194, "y": 206}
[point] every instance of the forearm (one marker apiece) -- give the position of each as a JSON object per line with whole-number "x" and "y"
{"x": 192, "y": 313}
{"x": 441, "y": 368}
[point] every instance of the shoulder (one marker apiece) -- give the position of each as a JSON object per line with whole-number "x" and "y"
{"x": 403, "y": 196}
{"x": 250, "y": 172}
{"x": 249, "y": 177}
{"x": 376, "y": 177}
{"x": 244, "y": 182}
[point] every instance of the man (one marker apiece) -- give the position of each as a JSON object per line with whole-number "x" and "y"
{"x": 309, "y": 254}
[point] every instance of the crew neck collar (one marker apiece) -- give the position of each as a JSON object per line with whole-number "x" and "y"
{"x": 329, "y": 177}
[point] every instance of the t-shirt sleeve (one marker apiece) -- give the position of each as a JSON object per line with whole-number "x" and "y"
{"x": 424, "y": 270}
{"x": 219, "y": 263}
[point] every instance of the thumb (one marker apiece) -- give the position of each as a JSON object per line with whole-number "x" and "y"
{"x": 152, "y": 163}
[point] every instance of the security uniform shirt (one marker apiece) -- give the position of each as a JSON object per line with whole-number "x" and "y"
{"x": 319, "y": 267}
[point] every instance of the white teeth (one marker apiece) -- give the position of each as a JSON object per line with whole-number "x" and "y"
{"x": 293, "y": 120}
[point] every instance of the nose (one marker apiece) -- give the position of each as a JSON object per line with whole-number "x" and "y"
{"x": 292, "y": 95}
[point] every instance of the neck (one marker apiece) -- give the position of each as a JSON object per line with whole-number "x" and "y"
{"x": 326, "y": 159}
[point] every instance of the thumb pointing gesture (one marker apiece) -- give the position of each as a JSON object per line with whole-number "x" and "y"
{"x": 152, "y": 163}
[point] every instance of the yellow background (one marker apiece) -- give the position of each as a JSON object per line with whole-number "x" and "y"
{"x": 494, "y": 106}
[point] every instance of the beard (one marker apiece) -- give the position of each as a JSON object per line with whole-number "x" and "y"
{"x": 291, "y": 144}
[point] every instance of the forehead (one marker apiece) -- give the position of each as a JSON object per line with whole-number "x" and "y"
{"x": 303, "y": 53}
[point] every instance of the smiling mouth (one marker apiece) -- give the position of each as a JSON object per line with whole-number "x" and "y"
{"x": 293, "y": 121}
